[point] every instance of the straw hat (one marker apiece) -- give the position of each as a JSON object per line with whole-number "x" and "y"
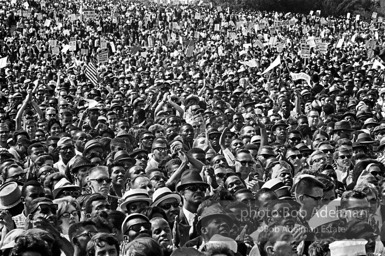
{"x": 10, "y": 195}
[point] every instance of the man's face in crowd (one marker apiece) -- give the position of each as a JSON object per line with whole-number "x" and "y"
{"x": 215, "y": 226}
{"x": 159, "y": 151}
{"x": 147, "y": 140}
{"x": 283, "y": 214}
{"x": 123, "y": 126}
{"x": 35, "y": 152}
{"x": 280, "y": 132}
{"x": 311, "y": 202}
{"x": 161, "y": 233}
{"x": 233, "y": 184}
{"x": 313, "y": 118}
{"x": 357, "y": 209}
{"x": 51, "y": 114}
{"x": 171, "y": 207}
{"x": 246, "y": 165}
{"x": 143, "y": 183}
{"x": 93, "y": 115}
{"x": 98, "y": 207}
{"x": 187, "y": 133}
{"x": 83, "y": 237}
{"x": 67, "y": 151}
{"x": 194, "y": 194}
{"x": 99, "y": 181}
{"x": 158, "y": 180}
{"x": 106, "y": 250}
{"x": 80, "y": 139}
{"x": 15, "y": 173}
{"x": 112, "y": 120}
{"x": 4, "y": 133}
{"x": 47, "y": 212}
{"x": 249, "y": 130}
{"x": 137, "y": 226}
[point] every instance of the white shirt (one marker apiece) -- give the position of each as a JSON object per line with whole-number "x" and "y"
{"x": 189, "y": 216}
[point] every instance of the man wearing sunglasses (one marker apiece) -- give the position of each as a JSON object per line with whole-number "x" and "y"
{"x": 99, "y": 180}
{"x": 80, "y": 234}
{"x": 136, "y": 225}
{"x": 42, "y": 214}
{"x": 192, "y": 189}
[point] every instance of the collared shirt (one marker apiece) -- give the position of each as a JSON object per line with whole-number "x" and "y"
{"x": 61, "y": 166}
{"x": 20, "y": 220}
{"x": 189, "y": 216}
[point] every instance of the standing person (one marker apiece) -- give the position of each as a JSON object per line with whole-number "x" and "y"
{"x": 192, "y": 189}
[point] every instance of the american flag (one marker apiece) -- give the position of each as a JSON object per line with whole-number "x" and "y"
{"x": 92, "y": 73}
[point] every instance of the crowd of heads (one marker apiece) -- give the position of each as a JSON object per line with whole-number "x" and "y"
{"x": 153, "y": 128}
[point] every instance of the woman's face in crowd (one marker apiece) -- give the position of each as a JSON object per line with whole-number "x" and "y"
{"x": 55, "y": 130}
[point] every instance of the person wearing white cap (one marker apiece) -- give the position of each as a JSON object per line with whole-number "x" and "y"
{"x": 168, "y": 201}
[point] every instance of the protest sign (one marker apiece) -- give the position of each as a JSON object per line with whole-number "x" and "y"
{"x": 103, "y": 56}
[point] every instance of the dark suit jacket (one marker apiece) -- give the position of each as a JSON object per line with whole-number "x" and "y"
{"x": 183, "y": 229}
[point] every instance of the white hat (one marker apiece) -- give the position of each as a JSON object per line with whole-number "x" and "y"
{"x": 348, "y": 247}
{"x": 162, "y": 194}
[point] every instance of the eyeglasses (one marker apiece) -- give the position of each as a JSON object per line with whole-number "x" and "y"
{"x": 220, "y": 175}
{"x": 244, "y": 163}
{"x": 68, "y": 214}
{"x": 90, "y": 234}
{"x": 344, "y": 156}
{"x": 194, "y": 188}
{"x": 101, "y": 180}
{"x": 317, "y": 160}
{"x": 47, "y": 209}
{"x": 74, "y": 194}
{"x": 295, "y": 139}
{"x": 135, "y": 206}
{"x": 168, "y": 205}
{"x": 67, "y": 148}
{"x": 161, "y": 149}
{"x": 148, "y": 138}
{"x": 138, "y": 227}
{"x": 299, "y": 156}
{"x": 315, "y": 198}
{"x": 328, "y": 151}
{"x": 142, "y": 157}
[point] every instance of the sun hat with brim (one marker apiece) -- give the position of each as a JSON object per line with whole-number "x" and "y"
{"x": 80, "y": 162}
{"x": 63, "y": 184}
{"x": 267, "y": 150}
{"x": 10, "y": 238}
{"x": 135, "y": 195}
{"x": 124, "y": 227}
{"x": 368, "y": 122}
{"x": 162, "y": 194}
{"x": 92, "y": 144}
{"x": 10, "y": 195}
{"x": 214, "y": 211}
{"x": 190, "y": 177}
{"x": 273, "y": 184}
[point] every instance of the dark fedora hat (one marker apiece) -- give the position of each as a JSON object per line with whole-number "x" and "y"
{"x": 122, "y": 155}
{"x": 279, "y": 123}
{"x": 342, "y": 126}
{"x": 190, "y": 177}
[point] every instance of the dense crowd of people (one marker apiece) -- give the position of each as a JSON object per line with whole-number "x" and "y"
{"x": 176, "y": 128}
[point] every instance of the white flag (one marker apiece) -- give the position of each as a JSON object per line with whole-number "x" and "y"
{"x": 300, "y": 76}
{"x": 3, "y": 62}
{"x": 250, "y": 63}
{"x": 377, "y": 64}
{"x": 274, "y": 64}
